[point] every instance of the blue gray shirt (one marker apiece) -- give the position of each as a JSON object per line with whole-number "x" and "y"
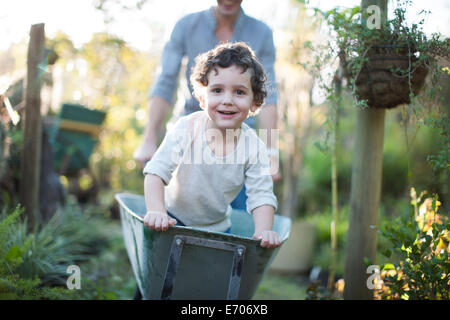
{"x": 194, "y": 34}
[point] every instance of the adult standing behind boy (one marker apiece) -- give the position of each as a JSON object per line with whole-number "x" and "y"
{"x": 197, "y": 33}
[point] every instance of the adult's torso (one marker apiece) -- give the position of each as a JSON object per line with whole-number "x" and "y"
{"x": 201, "y": 36}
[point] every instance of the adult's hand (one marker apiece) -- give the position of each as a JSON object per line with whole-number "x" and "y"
{"x": 157, "y": 111}
{"x": 275, "y": 168}
{"x": 268, "y": 118}
{"x": 144, "y": 152}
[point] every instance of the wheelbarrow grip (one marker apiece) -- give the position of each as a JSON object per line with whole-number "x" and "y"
{"x": 175, "y": 255}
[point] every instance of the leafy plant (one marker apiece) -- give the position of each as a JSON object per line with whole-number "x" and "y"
{"x": 12, "y": 254}
{"x": 356, "y": 44}
{"x": 441, "y": 160}
{"x": 421, "y": 240}
{"x": 34, "y": 265}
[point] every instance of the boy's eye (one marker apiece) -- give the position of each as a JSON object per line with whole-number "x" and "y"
{"x": 240, "y": 92}
{"x": 216, "y": 90}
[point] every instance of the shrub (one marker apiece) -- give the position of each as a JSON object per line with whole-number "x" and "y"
{"x": 12, "y": 257}
{"x": 421, "y": 239}
{"x": 34, "y": 265}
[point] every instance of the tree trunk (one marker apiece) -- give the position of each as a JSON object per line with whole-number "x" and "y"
{"x": 364, "y": 201}
{"x": 31, "y": 152}
{"x": 365, "y": 191}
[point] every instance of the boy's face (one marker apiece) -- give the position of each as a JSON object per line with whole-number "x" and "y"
{"x": 228, "y": 97}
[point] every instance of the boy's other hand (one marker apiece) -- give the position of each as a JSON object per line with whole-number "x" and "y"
{"x": 269, "y": 239}
{"x": 158, "y": 221}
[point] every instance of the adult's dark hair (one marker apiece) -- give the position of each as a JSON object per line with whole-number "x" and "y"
{"x": 225, "y": 55}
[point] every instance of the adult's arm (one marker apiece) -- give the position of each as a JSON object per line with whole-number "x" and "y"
{"x": 162, "y": 93}
{"x": 267, "y": 58}
{"x": 157, "y": 111}
{"x": 268, "y": 117}
{"x": 268, "y": 122}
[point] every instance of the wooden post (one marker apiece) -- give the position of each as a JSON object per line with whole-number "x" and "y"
{"x": 31, "y": 152}
{"x": 364, "y": 201}
{"x": 365, "y": 192}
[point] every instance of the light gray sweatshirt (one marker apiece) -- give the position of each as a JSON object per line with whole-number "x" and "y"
{"x": 200, "y": 185}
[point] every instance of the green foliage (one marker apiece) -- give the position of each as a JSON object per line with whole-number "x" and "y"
{"x": 108, "y": 274}
{"x": 118, "y": 80}
{"x": 421, "y": 241}
{"x": 317, "y": 292}
{"x": 323, "y": 252}
{"x": 276, "y": 287}
{"x": 355, "y": 41}
{"x": 59, "y": 243}
{"x": 33, "y": 265}
{"x": 10, "y": 149}
{"x": 441, "y": 160}
{"x": 315, "y": 183}
{"x": 323, "y": 220}
{"x": 12, "y": 256}
{"x": 408, "y": 141}
{"x": 109, "y": 75}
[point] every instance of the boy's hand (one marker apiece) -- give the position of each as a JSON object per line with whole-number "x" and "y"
{"x": 158, "y": 221}
{"x": 269, "y": 239}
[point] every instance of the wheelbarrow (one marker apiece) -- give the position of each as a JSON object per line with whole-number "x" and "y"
{"x": 190, "y": 263}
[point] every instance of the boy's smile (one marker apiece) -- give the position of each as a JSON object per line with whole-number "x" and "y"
{"x": 228, "y": 98}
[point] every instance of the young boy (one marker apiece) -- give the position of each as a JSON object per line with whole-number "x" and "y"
{"x": 208, "y": 156}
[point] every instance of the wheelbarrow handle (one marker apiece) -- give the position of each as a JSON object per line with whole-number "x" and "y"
{"x": 175, "y": 255}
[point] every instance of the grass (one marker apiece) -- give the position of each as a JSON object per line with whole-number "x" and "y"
{"x": 281, "y": 287}
{"x": 108, "y": 276}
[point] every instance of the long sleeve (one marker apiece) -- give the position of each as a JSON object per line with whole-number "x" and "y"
{"x": 169, "y": 154}
{"x": 173, "y": 53}
{"x": 258, "y": 181}
{"x": 267, "y": 58}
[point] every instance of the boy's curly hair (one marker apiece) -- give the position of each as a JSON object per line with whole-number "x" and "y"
{"x": 225, "y": 55}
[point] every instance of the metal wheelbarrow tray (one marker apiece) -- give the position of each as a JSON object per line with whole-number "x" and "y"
{"x": 189, "y": 263}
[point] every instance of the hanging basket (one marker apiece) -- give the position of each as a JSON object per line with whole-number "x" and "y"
{"x": 381, "y": 83}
